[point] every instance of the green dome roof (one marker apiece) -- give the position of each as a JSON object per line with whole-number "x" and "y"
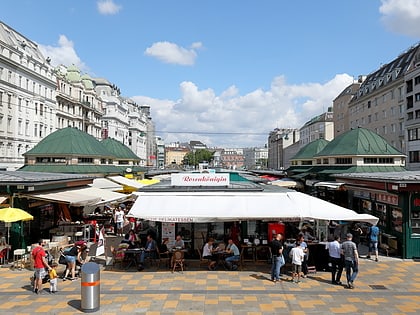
{"x": 119, "y": 150}
{"x": 73, "y": 74}
{"x": 359, "y": 141}
{"x": 87, "y": 82}
{"x": 309, "y": 150}
{"x": 70, "y": 141}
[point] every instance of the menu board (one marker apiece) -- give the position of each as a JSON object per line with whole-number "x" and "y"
{"x": 168, "y": 231}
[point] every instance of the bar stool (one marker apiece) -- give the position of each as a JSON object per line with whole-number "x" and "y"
{"x": 19, "y": 258}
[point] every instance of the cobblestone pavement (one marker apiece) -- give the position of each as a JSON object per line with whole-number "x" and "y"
{"x": 390, "y": 286}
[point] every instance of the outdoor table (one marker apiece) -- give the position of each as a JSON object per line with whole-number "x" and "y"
{"x": 132, "y": 254}
{"x": 245, "y": 249}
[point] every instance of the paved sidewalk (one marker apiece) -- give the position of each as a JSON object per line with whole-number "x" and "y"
{"x": 390, "y": 286}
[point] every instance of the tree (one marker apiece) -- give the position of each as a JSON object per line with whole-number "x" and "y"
{"x": 198, "y": 156}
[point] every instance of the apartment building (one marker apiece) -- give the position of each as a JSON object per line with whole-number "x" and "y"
{"x": 341, "y": 107}
{"x": 319, "y": 127}
{"x": 27, "y": 97}
{"x": 412, "y": 116}
{"x": 77, "y": 104}
{"x": 278, "y": 140}
{"x": 384, "y": 102}
{"x": 256, "y": 158}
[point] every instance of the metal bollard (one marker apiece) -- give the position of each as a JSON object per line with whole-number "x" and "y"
{"x": 90, "y": 287}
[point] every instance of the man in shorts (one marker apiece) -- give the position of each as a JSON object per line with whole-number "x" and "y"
{"x": 38, "y": 256}
{"x": 373, "y": 241}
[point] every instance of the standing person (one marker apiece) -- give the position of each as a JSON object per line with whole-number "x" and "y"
{"x": 38, "y": 257}
{"x": 234, "y": 253}
{"x": 351, "y": 260}
{"x": 119, "y": 218}
{"x": 357, "y": 233}
{"x": 297, "y": 255}
{"x": 2, "y": 240}
{"x": 334, "y": 251}
{"x": 276, "y": 247}
{"x": 235, "y": 232}
{"x": 304, "y": 245}
{"x": 73, "y": 256}
{"x": 53, "y": 278}
{"x": 373, "y": 241}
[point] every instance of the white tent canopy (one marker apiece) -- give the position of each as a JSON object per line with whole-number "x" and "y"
{"x": 204, "y": 207}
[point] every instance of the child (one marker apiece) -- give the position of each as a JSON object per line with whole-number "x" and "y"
{"x": 297, "y": 255}
{"x": 53, "y": 278}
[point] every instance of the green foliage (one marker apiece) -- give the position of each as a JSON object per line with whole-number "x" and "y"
{"x": 201, "y": 155}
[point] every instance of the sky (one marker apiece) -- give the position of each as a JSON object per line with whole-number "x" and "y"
{"x": 222, "y": 72}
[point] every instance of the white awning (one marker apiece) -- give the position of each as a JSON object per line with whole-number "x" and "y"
{"x": 81, "y": 196}
{"x": 126, "y": 181}
{"x": 329, "y": 185}
{"x": 107, "y": 184}
{"x": 233, "y": 206}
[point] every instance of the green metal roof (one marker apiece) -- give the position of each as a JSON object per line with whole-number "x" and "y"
{"x": 87, "y": 82}
{"x": 73, "y": 169}
{"x": 359, "y": 141}
{"x": 70, "y": 141}
{"x": 119, "y": 150}
{"x": 73, "y": 74}
{"x": 309, "y": 150}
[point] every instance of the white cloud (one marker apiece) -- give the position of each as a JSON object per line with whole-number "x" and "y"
{"x": 64, "y": 53}
{"x": 108, "y": 7}
{"x": 172, "y": 53}
{"x": 248, "y": 117}
{"x": 401, "y": 16}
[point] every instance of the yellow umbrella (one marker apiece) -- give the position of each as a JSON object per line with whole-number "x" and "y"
{"x": 147, "y": 181}
{"x": 14, "y": 215}
{"x": 9, "y": 215}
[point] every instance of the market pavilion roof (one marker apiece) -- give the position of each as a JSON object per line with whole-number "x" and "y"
{"x": 119, "y": 150}
{"x": 70, "y": 142}
{"x": 358, "y": 142}
{"x": 309, "y": 150}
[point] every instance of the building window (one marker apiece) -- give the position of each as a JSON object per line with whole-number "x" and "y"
{"x": 410, "y": 116}
{"x": 385, "y": 160}
{"x": 343, "y": 161}
{"x": 84, "y": 160}
{"x": 414, "y": 156}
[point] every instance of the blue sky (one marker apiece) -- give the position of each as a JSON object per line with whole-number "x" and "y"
{"x": 222, "y": 72}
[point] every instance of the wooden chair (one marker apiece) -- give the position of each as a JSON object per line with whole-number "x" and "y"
{"x": 163, "y": 258}
{"x": 153, "y": 258}
{"x": 118, "y": 256}
{"x": 203, "y": 261}
{"x": 178, "y": 258}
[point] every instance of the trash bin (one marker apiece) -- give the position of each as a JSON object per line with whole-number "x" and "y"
{"x": 90, "y": 287}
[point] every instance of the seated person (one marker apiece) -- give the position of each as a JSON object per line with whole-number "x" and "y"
{"x": 131, "y": 239}
{"x": 163, "y": 248}
{"x": 149, "y": 251}
{"x": 208, "y": 253}
{"x": 235, "y": 255}
{"x": 179, "y": 242}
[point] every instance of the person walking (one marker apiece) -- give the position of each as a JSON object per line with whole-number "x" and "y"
{"x": 373, "y": 241}
{"x": 351, "y": 260}
{"x": 39, "y": 260}
{"x": 334, "y": 251}
{"x": 276, "y": 247}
